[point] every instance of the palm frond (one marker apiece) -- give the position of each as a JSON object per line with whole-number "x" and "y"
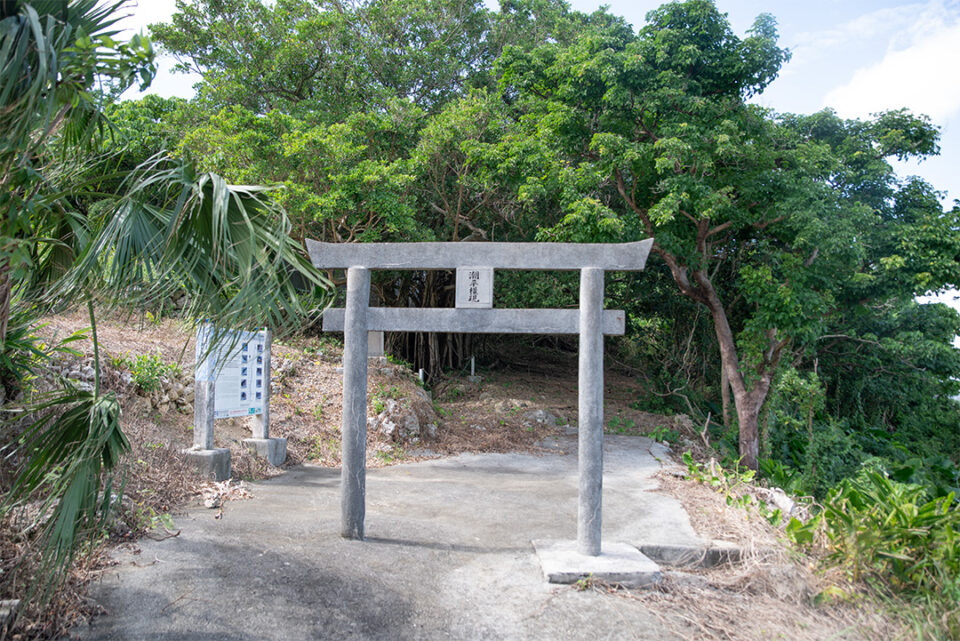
{"x": 228, "y": 248}
{"x": 66, "y": 451}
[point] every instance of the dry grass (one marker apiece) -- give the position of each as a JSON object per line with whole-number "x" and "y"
{"x": 713, "y": 519}
{"x": 771, "y": 593}
{"x": 155, "y": 480}
{"x": 756, "y": 603}
{"x": 66, "y": 609}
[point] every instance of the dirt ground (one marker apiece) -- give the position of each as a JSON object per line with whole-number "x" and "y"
{"x": 768, "y": 596}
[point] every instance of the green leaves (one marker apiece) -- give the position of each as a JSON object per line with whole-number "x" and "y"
{"x": 78, "y": 222}
{"x": 889, "y": 534}
{"x": 589, "y": 221}
{"x": 64, "y": 456}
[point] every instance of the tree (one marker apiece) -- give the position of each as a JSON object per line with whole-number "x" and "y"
{"x": 328, "y": 58}
{"x": 362, "y": 110}
{"x": 79, "y": 225}
{"x": 744, "y": 207}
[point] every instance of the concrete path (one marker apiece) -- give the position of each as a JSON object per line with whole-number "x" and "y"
{"x": 448, "y": 556}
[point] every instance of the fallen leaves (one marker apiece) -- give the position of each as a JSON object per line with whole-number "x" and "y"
{"x": 215, "y": 494}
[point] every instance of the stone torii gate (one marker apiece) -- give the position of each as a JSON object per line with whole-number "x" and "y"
{"x": 591, "y": 322}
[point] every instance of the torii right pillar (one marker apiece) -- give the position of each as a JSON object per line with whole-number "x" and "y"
{"x": 590, "y": 401}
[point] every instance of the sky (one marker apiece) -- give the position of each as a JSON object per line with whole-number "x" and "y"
{"x": 857, "y": 57}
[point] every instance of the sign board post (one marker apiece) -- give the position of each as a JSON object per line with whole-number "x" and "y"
{"x": 475, "y": 314}
{"x": 261, "y": 421}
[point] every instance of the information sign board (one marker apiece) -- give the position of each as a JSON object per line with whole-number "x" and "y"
{"x": 238, "y": 365}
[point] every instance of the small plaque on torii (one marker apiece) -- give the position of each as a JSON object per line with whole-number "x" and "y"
{"x": 474, "y": 287}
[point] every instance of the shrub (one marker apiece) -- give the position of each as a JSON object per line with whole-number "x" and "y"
{"x": 895, "y": 539}
{"x": 888, "y": 533}
{"x": 147, "y": 370}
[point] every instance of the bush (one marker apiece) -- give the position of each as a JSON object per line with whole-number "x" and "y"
{"x": 147, "y": 370}
{"x": 891, "y": 536}
{"x": 831, "y": 456}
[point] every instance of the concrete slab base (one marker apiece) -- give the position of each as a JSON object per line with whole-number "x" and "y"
{"x": 619, "y": 563}
{"x": 692, "y": 556}
{"x": 272, "y": 449}
{"x": 213, "y": 463}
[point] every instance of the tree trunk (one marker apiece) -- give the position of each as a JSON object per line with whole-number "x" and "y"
{"x": 747, "y": 401}
{"x": 748, "y": 417}
{"x": 696, "y": 285}
{"x": 725, "y": 395}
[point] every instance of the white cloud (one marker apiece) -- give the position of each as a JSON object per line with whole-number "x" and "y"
{"x": 810, "y": 45}
{"x": 919, "y": 71}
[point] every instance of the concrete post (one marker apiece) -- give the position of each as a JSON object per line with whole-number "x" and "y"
{"x": 590, "y": 383}
{"x": 204, "y": 392}
{"x": 261, "y": 423}
{"x": 354, "y": 433}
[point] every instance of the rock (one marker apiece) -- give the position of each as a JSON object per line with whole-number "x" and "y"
{"x": 388, "y": 428}
{"x": 188, "y": 395}
{"x": 411, "y": 424}
{"x": 8, "y": 608}
{"x": 284, "y": 370}
{"x": 540, "y": 417}
{"x": 509, "y": 405}
{"x": 405, "y": 420}
{"x": 777, "y": 498}
{"x": 126, "y": 378}
{"x": 422, "y": 393}
{"x": 165, "y": 383}
{"x": 173, "y": 395}
{"x": 178, "y": 387}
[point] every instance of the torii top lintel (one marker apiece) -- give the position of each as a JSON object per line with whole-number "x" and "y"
{"x": 533, "y": 256}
